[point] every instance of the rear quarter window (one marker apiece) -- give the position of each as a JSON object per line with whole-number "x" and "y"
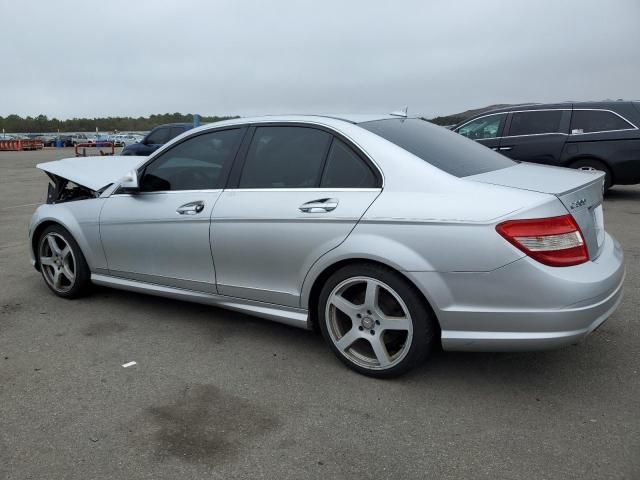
{"x": 438, "y": 146}
{"x": 591, "y": 121}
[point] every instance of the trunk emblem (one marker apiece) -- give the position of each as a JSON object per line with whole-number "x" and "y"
{"x": 578, "y": 203}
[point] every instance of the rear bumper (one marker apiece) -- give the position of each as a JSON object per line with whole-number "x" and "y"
{"x": 591, "y": 316}
{"x": 526, "y": 305}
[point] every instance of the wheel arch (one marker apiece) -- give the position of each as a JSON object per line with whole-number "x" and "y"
{"x": 45, "y": 223}
{"x": 595, "y": 158}
{"x": 320, "y": 279}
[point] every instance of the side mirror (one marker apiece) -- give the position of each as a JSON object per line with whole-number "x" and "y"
{"x": 129, "y": 182}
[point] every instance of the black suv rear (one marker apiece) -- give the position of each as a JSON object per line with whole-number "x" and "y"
{"x": 588, "y": 135}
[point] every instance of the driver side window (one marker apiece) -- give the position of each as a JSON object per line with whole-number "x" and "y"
{"x": 198, "y": 163}
{"x": 481, "y": 128}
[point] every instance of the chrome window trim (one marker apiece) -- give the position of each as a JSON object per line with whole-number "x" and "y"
{"x": 302, "y": 189}
{"x": 277, "y": 189}
{"x": 552, "y": 133}
{"x": 534, "y": 135}
{"x": 166, "y": 192}
{"x": 329, "y": 127}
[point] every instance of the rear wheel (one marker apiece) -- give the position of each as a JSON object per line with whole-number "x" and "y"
{"x": 62, "y": 264}
{"x": 589, "y": 164}
{"x": 375, "y": 321}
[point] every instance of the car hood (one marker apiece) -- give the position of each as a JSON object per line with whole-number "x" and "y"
{"x": 93, "y": 173}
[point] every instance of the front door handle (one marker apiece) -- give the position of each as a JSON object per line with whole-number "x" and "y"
{"x": 502, "y": 149}
{"x": 321, "y": 205}
{"x": 191, "y": 208}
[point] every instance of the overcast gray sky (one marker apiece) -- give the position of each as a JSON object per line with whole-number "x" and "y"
{"x": 67, "y": 58}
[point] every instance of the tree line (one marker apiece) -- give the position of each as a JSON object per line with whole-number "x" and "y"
{"x": 41, "y": 123}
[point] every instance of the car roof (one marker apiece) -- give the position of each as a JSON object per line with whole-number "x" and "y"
{"x": 605, "y": 104}
{"x": 177, "y": 124}
{"x": 354, "y": 118}
{"x": 360, "y": 117}
{"x": 326, "y": 119}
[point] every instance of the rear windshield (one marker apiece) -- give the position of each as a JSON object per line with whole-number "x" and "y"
{"x": 438, "y": 146}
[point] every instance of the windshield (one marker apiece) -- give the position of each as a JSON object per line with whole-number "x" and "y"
{"x": 438, "y": 146}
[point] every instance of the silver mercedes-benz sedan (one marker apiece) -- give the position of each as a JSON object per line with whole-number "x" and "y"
{"x": 389, "y": 234}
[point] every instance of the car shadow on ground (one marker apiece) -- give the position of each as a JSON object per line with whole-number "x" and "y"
{"x": 543, "y": 371}
{"x": 621, "y": 193}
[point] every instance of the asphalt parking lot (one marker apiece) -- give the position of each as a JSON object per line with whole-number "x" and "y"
{"x": 216, "y": 394}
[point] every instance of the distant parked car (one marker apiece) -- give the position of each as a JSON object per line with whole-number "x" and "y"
{"x": 124, "y": 139}
{"x": 66, "y": 140}
{"x": 82, "y": 138}
{"x": 587, "y": 135}
{"x": 47, "y": 140}
{"x": 156, "y": 138}
{"x": 118, "y": 140}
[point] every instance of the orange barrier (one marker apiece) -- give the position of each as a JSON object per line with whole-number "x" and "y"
{"x": 18, "y": 145}
{"x": 98, "y": 145}
{"x": 32, "y": 144}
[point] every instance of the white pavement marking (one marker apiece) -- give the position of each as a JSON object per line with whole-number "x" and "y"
{"x": 18, "y": 206}
{"x": 130, "y": 364}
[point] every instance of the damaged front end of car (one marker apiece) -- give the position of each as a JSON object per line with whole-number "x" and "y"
{"x": 62, "y": 190}
{"x": 83, "y": 178}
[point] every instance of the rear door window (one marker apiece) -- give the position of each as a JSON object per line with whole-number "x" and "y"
{"x": 345, "y": 169}
{"x": 535, "y": 123}
{"x": 285, "y": 157}
{"x": 590, "y": 121}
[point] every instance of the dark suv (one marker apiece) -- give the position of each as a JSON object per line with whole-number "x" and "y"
{"x": 156, "y": 138}
{"x": 587, "y": 135}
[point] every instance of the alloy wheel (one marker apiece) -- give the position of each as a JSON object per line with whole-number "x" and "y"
{"x": 369, "y": 323}
{"x": 57, "y": 262}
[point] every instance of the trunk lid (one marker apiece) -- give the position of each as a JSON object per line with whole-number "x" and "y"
{"x": 579, "y": 191}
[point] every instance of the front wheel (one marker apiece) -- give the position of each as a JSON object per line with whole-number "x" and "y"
{"x": 375, "y": 321}
{"x": 62, "y": 264}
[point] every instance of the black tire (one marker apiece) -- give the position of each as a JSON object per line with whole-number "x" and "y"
{"x": 82, "y": 274}
{"x": 425, "y": 330}
{"x": 588, "y": 163}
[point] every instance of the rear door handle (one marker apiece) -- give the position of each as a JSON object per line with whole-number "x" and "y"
{"x": 502, "y": 149}
{"x": 191, "y": 208}
{"x": 321, "y": 205}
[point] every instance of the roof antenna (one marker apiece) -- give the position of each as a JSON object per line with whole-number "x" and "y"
{"x": 401, "y": 113}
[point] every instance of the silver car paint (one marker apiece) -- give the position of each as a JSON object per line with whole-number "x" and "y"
{"x": 79, "y": 218}
{"x": 145, "y": 238}
{"x": 264, "y": 245}
{"x": 438, "y": 230}
{"x": 585, "y": 189}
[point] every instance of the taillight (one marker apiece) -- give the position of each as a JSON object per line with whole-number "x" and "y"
{"x": 555, "y": 241}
